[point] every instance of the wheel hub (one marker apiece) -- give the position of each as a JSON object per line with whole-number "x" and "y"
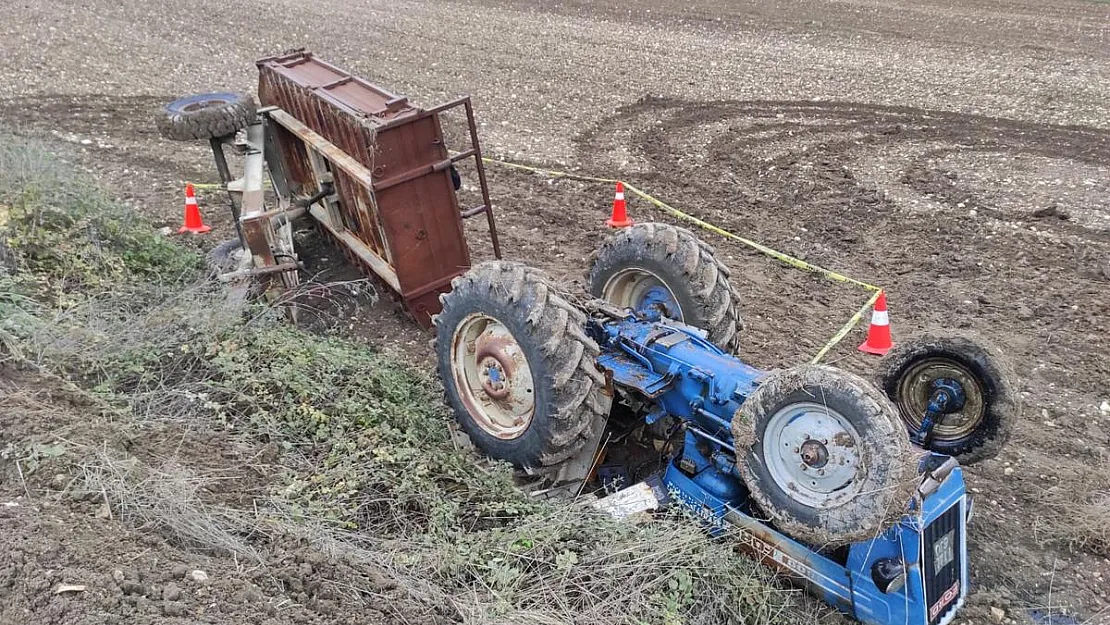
{"x": 642, "y": 291}
{"x": 495, "y": 365}
{"x": 813, "y": 452}
{"x": 925, "y": 382}
{"x": 661, "y": 300}
{"x": 493, "y": 377}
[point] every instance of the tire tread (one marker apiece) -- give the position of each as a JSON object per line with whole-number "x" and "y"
{"x": 578, "y": 404}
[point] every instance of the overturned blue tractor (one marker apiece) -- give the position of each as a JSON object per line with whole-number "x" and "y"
{"x": 851, "y": 489}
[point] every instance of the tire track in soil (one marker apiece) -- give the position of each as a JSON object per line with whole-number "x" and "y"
{"x": 125, "y": 152}
{"x": 819, "y": 188}
{"x": 774, "y": 171}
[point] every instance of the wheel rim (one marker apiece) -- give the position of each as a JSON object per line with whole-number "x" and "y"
{"x": 493, "y": 377}
{"x": 203, "y": 104}
{"x": 640, "y": 290}
{"x": 812, "y": 454}
{"x": 916, "y": 385}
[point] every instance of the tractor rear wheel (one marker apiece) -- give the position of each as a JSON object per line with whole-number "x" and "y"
{"x": 824, "y": 455}
{"x": 988, "y": 407}
{"x": 654, "y": 265}
{"x": 517, "y": 366}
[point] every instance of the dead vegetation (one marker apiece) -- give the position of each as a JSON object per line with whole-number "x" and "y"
{"x": 168, "y": 500}
{"x": 1079, "y": 512}
{"x": 228, "y": 432}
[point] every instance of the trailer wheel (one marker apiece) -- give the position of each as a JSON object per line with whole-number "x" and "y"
{"x": 517, "y": 366}
{"x": 206, "y": 116}
{"x": 667, "y": 267}
{"x": 223, "y": 257}
{"x": 988, "y": 408}
{"x": 824, "y": 455}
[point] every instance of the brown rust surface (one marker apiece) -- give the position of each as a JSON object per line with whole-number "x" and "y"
{"x": 409, "y": 214}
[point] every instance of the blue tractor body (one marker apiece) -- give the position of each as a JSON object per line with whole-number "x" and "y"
{"x": 913, "y": 572}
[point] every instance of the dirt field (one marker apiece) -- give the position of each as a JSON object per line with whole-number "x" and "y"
{"x": 957, "y": 154}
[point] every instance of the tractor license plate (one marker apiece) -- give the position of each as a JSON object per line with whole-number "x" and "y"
{"x": 944, "y": 550}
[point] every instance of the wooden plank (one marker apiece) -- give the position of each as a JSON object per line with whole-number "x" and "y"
{"x": 326, "y": 148}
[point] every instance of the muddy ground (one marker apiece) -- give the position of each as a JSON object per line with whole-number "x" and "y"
{"x": 959, "y": 156}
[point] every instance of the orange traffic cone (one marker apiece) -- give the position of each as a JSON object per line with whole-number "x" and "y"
{"x": 193, "y": 221}
{"x": 619, "y": 219}
{"x": 878, "y": 335}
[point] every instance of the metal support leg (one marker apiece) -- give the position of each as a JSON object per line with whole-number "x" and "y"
{"x": 224, "y": 171}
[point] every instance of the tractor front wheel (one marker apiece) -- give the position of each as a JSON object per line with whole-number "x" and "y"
{"x": 824, "y": 455}
{"x": 981, "y": 408}
{"x": 517, "y": 366}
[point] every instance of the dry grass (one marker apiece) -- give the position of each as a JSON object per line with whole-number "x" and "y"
{"x": 360, "y": 459}
{"x": 1078, "y": 513}
{"x": 527, "y": 573}
{"x": 168, "y": 499}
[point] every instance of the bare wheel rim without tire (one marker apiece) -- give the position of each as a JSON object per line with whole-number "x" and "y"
{"x": 640, "y": 289}
{"x": 493, "y": 377}
{"x": 812, "y": 452}
{"x": 917, "y": 385}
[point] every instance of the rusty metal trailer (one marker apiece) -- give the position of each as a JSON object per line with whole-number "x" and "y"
{"x": 371, "y": 168}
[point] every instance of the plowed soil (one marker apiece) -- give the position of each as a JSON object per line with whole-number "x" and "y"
{"x": 957, "y": 155}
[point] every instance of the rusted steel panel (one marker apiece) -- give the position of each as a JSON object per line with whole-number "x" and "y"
{"x": 408, "y": 215}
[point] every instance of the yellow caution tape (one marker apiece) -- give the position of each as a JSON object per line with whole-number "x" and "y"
{"x": 846, "y": 328}
{"x": 551, "y": 173}
{"x": 219, "y": 185}
{"x": 777, "y": 255}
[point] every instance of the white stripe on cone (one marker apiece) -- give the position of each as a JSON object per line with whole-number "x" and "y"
{"x": 880, "y": 318}
{"x": 619, "y": 197}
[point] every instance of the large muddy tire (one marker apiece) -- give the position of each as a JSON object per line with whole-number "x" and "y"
{"x": 991, "y": 406}
{"x": 824, "y": 455}
{"x": 517, "y": 366}
{"x": 667, "y": 267}
{"x": 206, "y": 116}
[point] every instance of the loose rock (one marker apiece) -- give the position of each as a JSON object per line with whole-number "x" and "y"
{"x": 172, "y": 592}
{"x": 173, "y": 608}
{"x": 179, "y": 570}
